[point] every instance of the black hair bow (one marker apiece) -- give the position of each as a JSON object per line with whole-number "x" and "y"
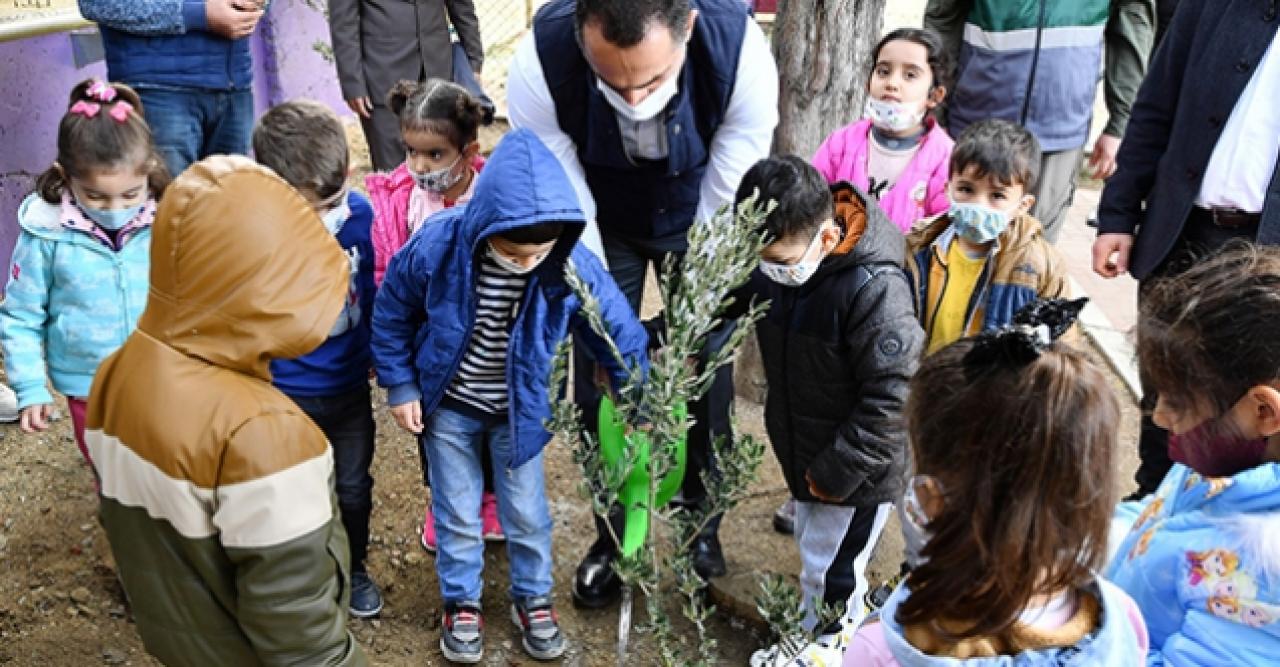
{"x": 1035, "y": 327}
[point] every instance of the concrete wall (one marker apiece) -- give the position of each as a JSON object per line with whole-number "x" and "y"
{"x": 38, "y": 73}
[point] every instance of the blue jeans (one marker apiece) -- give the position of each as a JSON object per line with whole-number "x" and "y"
{"x": 347, "y": 421}
{"x": 190, "y": 124}
{"x": 453, "y": 442}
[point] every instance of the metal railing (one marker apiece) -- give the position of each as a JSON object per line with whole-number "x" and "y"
{"x": 44, "y": 24}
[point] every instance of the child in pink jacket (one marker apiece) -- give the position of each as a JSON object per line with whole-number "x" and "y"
{"x": 439, "y": 123}
{"x": 897, "y": 153}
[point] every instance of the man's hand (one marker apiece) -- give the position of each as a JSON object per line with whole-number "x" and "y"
{"x": 1111, "y": 254}
{"x": 35, "y": 418}
{"x": 408, "y": 416}
{"x": 233, "y": 19}
{"x": 361, "y": 106}
{"x": 1103, "y": 159}
{"x": 817, "y": 493}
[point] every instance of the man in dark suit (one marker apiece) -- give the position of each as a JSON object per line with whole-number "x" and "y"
{"x": 1198, "y": 166}
{"x": 377, "y": 43}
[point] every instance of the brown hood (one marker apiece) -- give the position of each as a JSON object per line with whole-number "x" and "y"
{"x": 242, "y": 268}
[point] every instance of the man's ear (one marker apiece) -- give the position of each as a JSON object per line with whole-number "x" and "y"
{"x": 688, "y": 28}
{"x": 1263, "y": 405}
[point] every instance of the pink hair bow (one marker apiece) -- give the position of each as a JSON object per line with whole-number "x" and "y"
{"x": 85, "y": 108}
{"x": 101, "y": 91}
{"x": 120, "y": 111}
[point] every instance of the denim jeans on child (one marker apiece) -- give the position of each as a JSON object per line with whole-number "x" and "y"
{"x": 347, "y": 421}
{"x": 454, "y": 438}
{"x": 190, "y": 124}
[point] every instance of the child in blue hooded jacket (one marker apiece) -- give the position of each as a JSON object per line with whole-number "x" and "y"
{"x": 465, "y": 327}
{"x": 1202, "y": 554}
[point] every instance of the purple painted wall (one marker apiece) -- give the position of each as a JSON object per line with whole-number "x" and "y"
{"x": 39, "y": 72}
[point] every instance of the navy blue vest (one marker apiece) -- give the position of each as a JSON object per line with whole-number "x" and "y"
{"x": 635, "y": 198}
{"x": 196, "y": 59}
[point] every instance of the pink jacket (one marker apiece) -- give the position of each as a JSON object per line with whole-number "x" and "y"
{"x": 920, "y": 192}
{"x": 390, "y": 194}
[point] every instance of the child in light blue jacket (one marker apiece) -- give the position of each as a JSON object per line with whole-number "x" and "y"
{"x": 78, "y": 278}
{"x": 1201, "y": 556}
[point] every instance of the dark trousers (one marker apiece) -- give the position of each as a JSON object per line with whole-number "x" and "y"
{"x": 629, "y": 261}
{"x": 1200, "y": 237}
{"x": 347, "y": 421}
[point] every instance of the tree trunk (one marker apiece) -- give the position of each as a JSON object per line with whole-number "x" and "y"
{"x": 823, "y": 49}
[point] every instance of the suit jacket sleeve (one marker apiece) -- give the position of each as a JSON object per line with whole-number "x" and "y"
{"x": 348, "y": 52}
{"x": 886, "y": 339}
{"x": 462, "y": 14}
{"x": 1148, "y": 133}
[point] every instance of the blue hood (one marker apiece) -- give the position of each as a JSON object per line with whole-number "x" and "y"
{"x": 522, "y": 185}
{"x": 1115, "y": 643}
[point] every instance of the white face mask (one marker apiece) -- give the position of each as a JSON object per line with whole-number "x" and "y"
{"x": 894, "y": 116}
{"x": 337, "y": 216}
{"x": 513, "y": 267}
{"x": 794, "y": 275}
{"x": 915, "y": 523}
{"x": 646, "y": 109}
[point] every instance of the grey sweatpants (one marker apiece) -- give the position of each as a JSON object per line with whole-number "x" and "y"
{"x": 1056, "y": 189}
{"x": 835, "y": 546}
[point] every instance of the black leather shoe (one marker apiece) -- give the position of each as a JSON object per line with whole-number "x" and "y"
{"x": 708, "y": 559}
{"x": 595, "y": 584}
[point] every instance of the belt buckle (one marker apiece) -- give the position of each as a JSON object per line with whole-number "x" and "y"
{"x": 1228, "y": 218}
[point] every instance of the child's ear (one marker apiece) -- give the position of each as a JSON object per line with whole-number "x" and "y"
{"x": 1264, "y": 410}
{"x": 831, "y": 237}
{"x": 936, "y": 96}
{"x": 471, "y": 150}
{"x": 1028, "y": 201}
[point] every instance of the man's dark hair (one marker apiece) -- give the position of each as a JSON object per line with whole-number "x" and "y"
{"x": 539, "y": 233}
{"x": 625, "y": 22}
{"x": 802, "y": 195}
{"x": 1000, "y": 148}
{"x": 303, "y": 141}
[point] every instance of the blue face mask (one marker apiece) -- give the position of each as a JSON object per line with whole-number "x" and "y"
{"x": 977, "y": 223}
{"x": 114, "y": 219}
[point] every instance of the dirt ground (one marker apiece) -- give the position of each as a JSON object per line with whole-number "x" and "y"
{"x": 60, "y": 603}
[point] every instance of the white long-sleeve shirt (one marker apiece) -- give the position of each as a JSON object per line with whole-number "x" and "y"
{"x": 743, "y": 138}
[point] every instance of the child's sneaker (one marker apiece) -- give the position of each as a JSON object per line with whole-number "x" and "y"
{"x": 428, "y": 538}
{"x": 492, "y": 527}
{"x": 541, "y": 627}
{"x": 784, "y": 520}
{"x": 462, "y": 633}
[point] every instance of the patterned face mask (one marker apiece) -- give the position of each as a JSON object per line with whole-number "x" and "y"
{"x": 893, "y": 116}
{"x": 438, "y": 181}
{"x": 977, "y": 223}
{"x": 794, "y": 275}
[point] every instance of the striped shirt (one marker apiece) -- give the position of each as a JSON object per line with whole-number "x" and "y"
{"x": 481, "y": 381}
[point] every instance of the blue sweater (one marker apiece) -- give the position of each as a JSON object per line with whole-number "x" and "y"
{"x": 168, "y": 43}
{"x": 342, "y": 363}
{"x": 426, "y": 309}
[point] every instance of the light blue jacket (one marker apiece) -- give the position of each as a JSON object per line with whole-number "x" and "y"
{"x": 1202, "y": 560}
{"x": 1117, "y": 642}
{"x": 70, "y": 302}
